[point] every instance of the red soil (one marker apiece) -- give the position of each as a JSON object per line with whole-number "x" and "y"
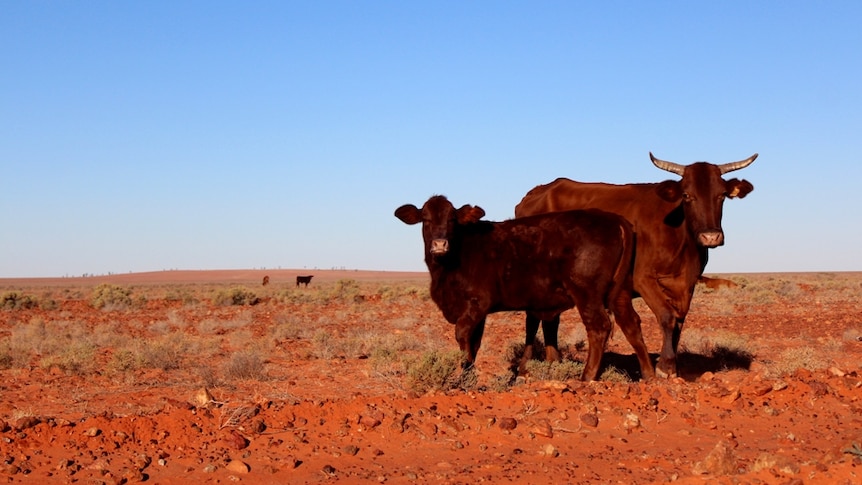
{"x": 333, "y": 420}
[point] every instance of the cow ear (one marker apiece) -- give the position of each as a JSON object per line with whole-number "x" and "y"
{"x": 409, "y": 214}
{"x": 738, "y": 188}
{"x": 669, "y": 190}
{"x": 469, "y": 214}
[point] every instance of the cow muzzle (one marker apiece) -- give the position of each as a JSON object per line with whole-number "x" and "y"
{"x": 439, "y": 246}
{"x": 711, "y": 239}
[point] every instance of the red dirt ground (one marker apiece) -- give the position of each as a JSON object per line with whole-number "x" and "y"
{"x": 331, "y": 419}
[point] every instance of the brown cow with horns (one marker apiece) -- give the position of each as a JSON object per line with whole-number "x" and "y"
{"x": 675, "y": 223}
{"x": 543, "y": 265}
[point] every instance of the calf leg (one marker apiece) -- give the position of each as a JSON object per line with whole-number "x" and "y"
{"x": 549, "y": 333}
{"x": 598, "y": 325}
{"x": 532, "y": 327}
{"x": 549, "y": 330}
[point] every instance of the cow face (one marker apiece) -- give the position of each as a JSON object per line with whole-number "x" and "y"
{"x": 439, "y": 220}
{"x": 702, "y": 192}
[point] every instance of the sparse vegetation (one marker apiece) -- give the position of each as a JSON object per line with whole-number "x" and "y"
{"x": 439, "y": 370}
{"x": 14, "y": 300}
{"x": 235, "y": 296}
{"x": 111, "y": 297}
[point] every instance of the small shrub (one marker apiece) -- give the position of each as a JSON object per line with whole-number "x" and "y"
{"x": 245, "y": 365}
{"x": 438, "y": 370}
{"x": 235, "y": 296}
{"x": 612, "y": 374}
{"x": 111, "y": 297}
{"x": 13, "y": 300}
{"x": 555, "y": 371}
{"x": 347, "y": 290}
{"x": 795, "y": 358}
{"x": 78, "y": 358}
{"x": 165, "y": 353}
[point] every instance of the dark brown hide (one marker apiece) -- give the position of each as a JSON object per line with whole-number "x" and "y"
{"x": 675, "y": 222}
{"x": 543, "y": 265}
{"x": 303, "y": 280}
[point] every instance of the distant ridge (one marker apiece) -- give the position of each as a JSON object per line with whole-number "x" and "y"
{"x": 243, "y": 276}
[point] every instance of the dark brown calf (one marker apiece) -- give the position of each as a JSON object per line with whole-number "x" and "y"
{"x": 265, "y": 280}
{"x": 305, "y": 280}
{"x": 543, "y": 265}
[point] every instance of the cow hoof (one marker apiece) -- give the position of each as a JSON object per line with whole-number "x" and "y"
{"x": 664, "y": 375}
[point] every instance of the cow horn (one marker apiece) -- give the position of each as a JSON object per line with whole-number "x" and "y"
{"x": 668, "y": 166}
{"x": 730, "y": 167}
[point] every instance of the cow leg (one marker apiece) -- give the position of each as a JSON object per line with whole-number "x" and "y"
{"x": 630, "y": 323}
{"x": 468, "y": 334}
{"x": 598, "y": 326}
{"x": 549, "y": 333}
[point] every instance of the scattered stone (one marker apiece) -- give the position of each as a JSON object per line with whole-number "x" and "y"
{"x": 237, "y": 466}
{"x": 780, "y": 464}
{"x": 732, "y": 397}
{"x": 92, "y": 432}
{"x": 235, "y": 440}
{"x": 211, "y": 468}
{"x": 369, "y": 421}
{"x": 762, "y": 389}
{"x": 543, "y": 428}
{"x": 26, "y": 422}
{"x": 550, "y": 450}
{"x": 631, "y": 422}
{"x": 329, "y": 470}
{"x": 351, "y": 450}
{"x": 4, "y": 426}
{"x": 142, "y": 461}
{"x": 835, "y": 371}
{"x": 257, "y": 426}
{"x": 779, "y": 386}
{"x": 507, "y": 423}
{"x": 719, "y": 461}
{"x": 590, "y": 420}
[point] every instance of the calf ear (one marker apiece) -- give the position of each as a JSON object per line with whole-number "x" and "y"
{"x": 669, "y": 190}
{"x": 468, "y": 214}
{"x": 409, "y": 214}
{"x": 738, "y": 188}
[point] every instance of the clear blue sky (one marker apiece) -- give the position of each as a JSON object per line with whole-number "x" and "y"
{"x": 141, "y": 136}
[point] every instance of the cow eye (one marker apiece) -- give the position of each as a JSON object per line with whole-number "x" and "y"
{"x": 687, "y": 197}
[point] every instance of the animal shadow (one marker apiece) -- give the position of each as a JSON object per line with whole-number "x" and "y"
{"x": 691, "y": 365}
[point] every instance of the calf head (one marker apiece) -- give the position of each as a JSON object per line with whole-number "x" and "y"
{"x": 702, "y": 192}
{"x": 439, "y": 220}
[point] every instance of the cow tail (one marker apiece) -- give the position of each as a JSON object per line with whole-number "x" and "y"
{"x": 625, "y": 268}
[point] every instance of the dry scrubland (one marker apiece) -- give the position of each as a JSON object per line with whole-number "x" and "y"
{"x": 214, "y": 378}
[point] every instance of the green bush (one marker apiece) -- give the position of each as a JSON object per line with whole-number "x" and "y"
{"x": 438, "y": 370}
{"x": 111, "y": 297}
{"x": 235, "y": 296}
{"x": 13, "y": 300}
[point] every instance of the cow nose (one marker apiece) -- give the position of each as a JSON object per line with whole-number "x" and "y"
{"x": 439, "y": 246}
{"x": 711, "y": 239}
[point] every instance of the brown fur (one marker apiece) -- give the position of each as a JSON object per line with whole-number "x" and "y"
{"x": 543, "y": 265}
{"x": 675, "y": 223}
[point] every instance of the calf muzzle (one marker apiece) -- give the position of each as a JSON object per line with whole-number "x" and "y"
{"x": 439, "y": 246}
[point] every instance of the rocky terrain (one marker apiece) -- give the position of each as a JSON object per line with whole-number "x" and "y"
{"x": 211, "y": 377}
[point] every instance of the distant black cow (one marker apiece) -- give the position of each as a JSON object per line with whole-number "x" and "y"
{"x": 305, "y": 280}
{"x": 543, "y": 265}
{"x": 265, "y": 280}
